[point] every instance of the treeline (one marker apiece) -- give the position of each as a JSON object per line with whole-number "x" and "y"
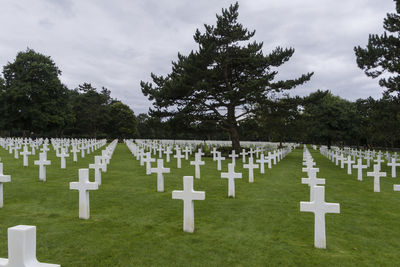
{"x": 320, "y": 118}
{"x": 34, "y": 102}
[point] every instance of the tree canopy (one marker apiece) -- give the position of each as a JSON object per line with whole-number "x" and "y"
{"x": 224, "y": 80}
{"x": 33, "y": 99}
{"x": 381, "y": 54}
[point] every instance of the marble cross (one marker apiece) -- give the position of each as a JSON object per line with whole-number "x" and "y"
{"x": 74, "y": 152}
{"x": 233, "y": 156}
{"x": 218, "y": 158}
{"x": 231, "y": 175}
{"x": 168, "y": 152}
{"x": 188, "y": 195}
{"x": 393, "y": 164}
{"x": 312, "y": 181}
{"x": 261, "y": 161}
{"x": 378, "y": 161}
{"x": 22, "y": 248}
{"x": 42, "y": 162}
{"x": 148, "y": 160}
{"x": 25, "y": 153}
{"x": 97, "y": 165}
{"x": 3, "y": 179}
{"x": 349, "y": 163}
{"x": 251, "y": 166}
{"x": 359, "y": 166}
{"x": 377, "y": 174}
{"x": 319, "y": 207}
{"x": 214, "y": 152}
{"x": 243, "y": 153}
{"x": 62, "y": 155}
{"x": 160, "y": 170}
{"x": 197, "y": 163}
{"x": 179, "y": 158}
{"x": 83, "y": 186}
{"x": 186, "y": 151}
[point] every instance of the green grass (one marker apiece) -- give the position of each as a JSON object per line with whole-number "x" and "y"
{"x": 133, "y": 225}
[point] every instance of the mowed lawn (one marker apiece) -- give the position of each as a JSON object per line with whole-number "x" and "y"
{"x": 133, "y": 225}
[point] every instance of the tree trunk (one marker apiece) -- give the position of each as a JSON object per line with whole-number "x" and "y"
{"x": 234, "y": 135}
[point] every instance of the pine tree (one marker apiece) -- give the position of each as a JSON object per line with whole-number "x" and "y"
{"x": 224, "y": 80}
{"x": 382, "y": 54}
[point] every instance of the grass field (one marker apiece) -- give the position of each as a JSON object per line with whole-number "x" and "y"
{"x": 133, "y": 225}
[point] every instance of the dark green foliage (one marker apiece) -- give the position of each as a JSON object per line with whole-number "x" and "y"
{"x": 33, "y": 100}
{"x": 382, "y": 53}
{"x": 122, "y": 122}
{"x": 223, "y": 80}
{"x": 330, "y": 118}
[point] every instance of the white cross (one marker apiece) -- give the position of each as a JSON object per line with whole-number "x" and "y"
{"x": 243, "y": 153}
{"x": 148, "y": 160}
{"x": 82, "y": 148}
{"x": 97, "y": 166}
{"x": 188, "y": 195}
{"x": 342, "y": 159}
{"x": 309, "y": 163}
{"x": 160, "y": 170}
{"x": 25, "y": 154}
{"x": 269, "y": 160}
{"x": 218, "y": 158}
{"x": 310, "y": 170}
{"x": 16, "y": 154}
{"x": 83, "y": 186}
{"x": 214, "y": 152}
{"x": 168, "y": 152}
{"x": 312, "y": 181}
{"x": 74, "y": 151}
{"x": 179, "y": 158}
{"x": 393, "y": 164}
{"x": 3, "y": 179}
{"x": 274, "y": 157}
{"x": 22, "y": 248}
{"x": 251, "y": 152}
{"x": 261, "y": 161}
{"x": 319, "y": 207}
{"x": 160, "y": 150}
{"x": 349, "y": 163}
{"x": 42, "y": 162}
{"x": 197, "y": 162}
{"x": 251, "y": 166}
{"x": 377, "y": 175}
{"x": 233, "y": 156}
{"x": 231, "y": 175}
{"x": 338, "y": 158}
{"x": 378, "y": 161}
{"x": 368, "y": 158}
{"x": 186, "y": 151}
{"x": 359, "y": 168}
{"x": 62, "y": 156}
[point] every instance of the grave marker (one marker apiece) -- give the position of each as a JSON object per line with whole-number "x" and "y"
{"x": 319, "y": 207}
{"x": 83, "y": 186}
{"x": 188, "y": 195}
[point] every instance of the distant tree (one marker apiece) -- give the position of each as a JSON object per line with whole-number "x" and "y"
{"x": 122, "y": 121}
{"x": 91, "y": 110}
{"x": 34, "y": 97}
{"x": 330, "y": 119}
{"x": 224, "y": 80}
{"x": 382, "y": 53}
{"x": 380, "y": 120}
{"x": 279, "y": 118}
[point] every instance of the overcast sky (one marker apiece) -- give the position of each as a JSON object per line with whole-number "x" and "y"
{"x": 118, "y": 43}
